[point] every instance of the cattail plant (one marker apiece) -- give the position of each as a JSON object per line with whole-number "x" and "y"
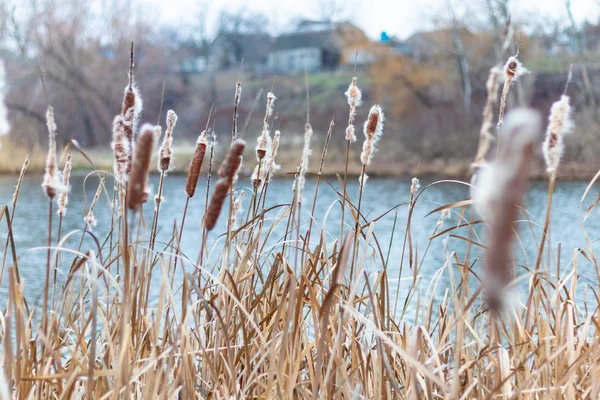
{"x": 559, "y": 124}
{"x": 264, "y": 140}
{"x": 236, "y": 103}
{"x": 227, "y": 171}
{"x": 485, "y": 133}
{"x": 498, "y": 197}
{"x": 165, "y": 153}
{"x": 121, "y": 146}
{"x": 131, "y": 101}
{"x": 354, "y": 96}
{"x": 63, "y": 197}
{"x": 298, "y": 186}
{"x": 138, "y": 182}
{"x": 272, "y": 167}
{"x": 89, "y": 218}
{"x": 513, "y": 69}
{"x": 373, "y": 130}
{"x": 51, "y": 181}
{"x": 196, "y": 165}
{"x": 51, "y": 186}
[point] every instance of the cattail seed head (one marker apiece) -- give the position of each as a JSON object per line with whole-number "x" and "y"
{"x": 51, "y": 180}
{"x": 264, "y": 140}
{"x": 63, "y": 197}
{"x": 166, "y": 149}
{"x": 354, "y": 96}
{"x": 415, "y": 185}
{"x": 121, "y": 147}
{"x": 514, "y": 69}
{"x": 138, "y": 182}
{"x": 373, "y": 130}
{"x": 227, "y": 172}
{"x": 485, "y": 133}
{"x": 362, "y": 181}
{"x": 271, "y": 166}
{"x": 498, "y": 195}
{"x": 559, "y": 124}
{"x": 196, "y": 165}
{"x": 298, "y": 186}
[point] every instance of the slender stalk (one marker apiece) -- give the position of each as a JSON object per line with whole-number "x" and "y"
{"x": 356, "y": 229}
{"x": 157, "y": 211}
{"x": 47, "y": 282}
{"x": 344, "y": 191}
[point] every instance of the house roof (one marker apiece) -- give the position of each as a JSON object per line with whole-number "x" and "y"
{"x": 304, "y": 39}
{"x": 252, "y": 47}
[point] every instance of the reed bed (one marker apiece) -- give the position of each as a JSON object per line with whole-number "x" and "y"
{"x": 312, "y": 314}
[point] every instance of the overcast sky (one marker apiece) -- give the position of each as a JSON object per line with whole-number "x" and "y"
{"x": 396, "y": 17}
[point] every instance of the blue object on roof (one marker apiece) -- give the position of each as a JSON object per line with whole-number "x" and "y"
{"x": 384, "y": 37}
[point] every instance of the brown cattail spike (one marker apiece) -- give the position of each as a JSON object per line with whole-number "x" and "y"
{"x": 138, "y": 182}
{"x": 51, "y": 181}
{"x": 373, "y": 130}
{"x": 227, "y": 171}
{"x": 166, "y": 150}
{"x": 196, "y": 165}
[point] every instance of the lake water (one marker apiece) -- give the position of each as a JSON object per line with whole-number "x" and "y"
{"x": 380, "y": 195}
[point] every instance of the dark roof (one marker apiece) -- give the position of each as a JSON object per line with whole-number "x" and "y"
{"x": 253, "y": 47}
{"x": 297, "y": 40}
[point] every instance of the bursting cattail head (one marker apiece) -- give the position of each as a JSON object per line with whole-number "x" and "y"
{"x": 414, "y": 186}
{"x": 138, "y": 182}
{"x": 498, "y": 195}
{"x": 196, "y": 165}
{"x": 559, "y": 124}
{"x": 51, "y": 181}
{"x": 63, "y": 197}
{"x": 362, "y": 181}
{"x": 263, "y": 145}
{"x": 271, "y": 166}
{"x": 373, "y": 130}
{"x": 264, "y": 140}
{"x": 258, "y": 177}
{"x": 354, "y": 96}
{"x": 513, "y": 69}
{"x": 121, "y": 147}
{"x": 227, "y": 172}
{"x": 166, "y": 149}
{"x": 298, "y": 186}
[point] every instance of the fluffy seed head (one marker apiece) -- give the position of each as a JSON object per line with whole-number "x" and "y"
{"x": 513, "y": 69}
{"x": 63, "y": 197}
{"x": 166, "y": 149}
{"x": 559, "y": 124}
{"x": 301, "y": 176}
{"x": 121, "y": 147}
{"x": 196, "y": 165}
{"x": 499, "y": 192}
{"x": 362, "y": 181}
{"x": 138, "y": 182}
{"x": 237, "y": 206}
{"x": 51, "y": 181}
{"x": 271, "y": 166}
{"x": 373, "y": 130}
{"x": 415, "y": 185}
{"x": 353, "y": 94}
